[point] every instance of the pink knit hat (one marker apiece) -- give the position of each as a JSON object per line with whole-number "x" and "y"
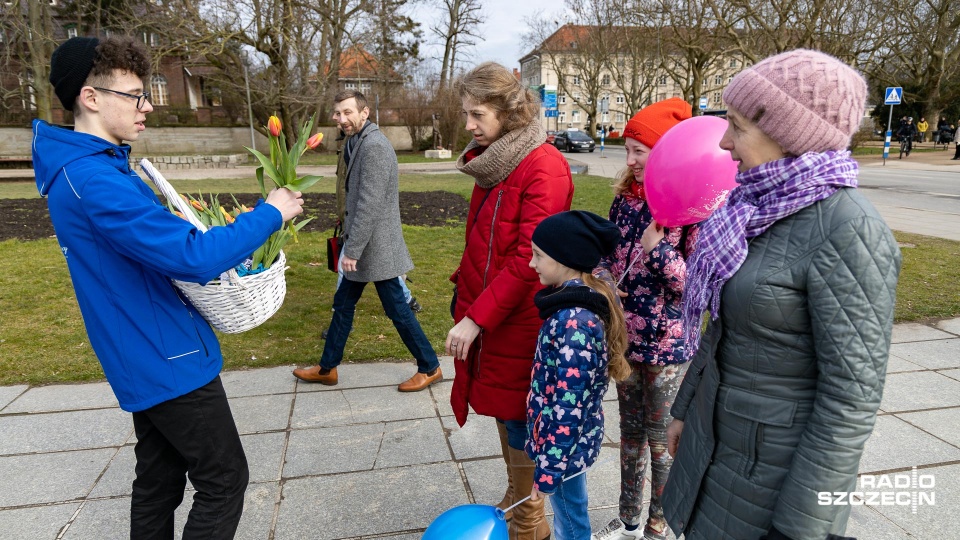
{"x": 810, "y": 101}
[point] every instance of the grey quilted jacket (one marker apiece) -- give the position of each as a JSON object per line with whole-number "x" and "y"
{"x": 371, "y": 222}
{"x": 784, "y": 391}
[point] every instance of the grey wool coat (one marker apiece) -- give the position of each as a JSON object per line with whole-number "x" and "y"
{"x": 371, "y": 222}
{"x": 784, "y": 390}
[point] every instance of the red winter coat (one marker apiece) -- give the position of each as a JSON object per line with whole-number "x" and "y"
{"x": 495, "y": 285}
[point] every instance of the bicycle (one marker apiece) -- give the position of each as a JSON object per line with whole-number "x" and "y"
{"x": 905, "y": 146}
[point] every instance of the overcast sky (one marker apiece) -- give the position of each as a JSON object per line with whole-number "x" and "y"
{"x": 501, "y": 33}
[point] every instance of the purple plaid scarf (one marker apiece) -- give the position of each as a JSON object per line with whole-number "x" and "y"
{"x": 766, "y": 194}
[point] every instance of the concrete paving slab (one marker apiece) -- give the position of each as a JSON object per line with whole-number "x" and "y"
{"x": 910, "y": 332}
{"x": 320, "y": 409}
{"x": 258, "y": 382}
{"x": 441, "y": 397}
{"x": 332, "y": 450}
{"x": 264, "y": 455}
{"x": 867, "y": 523}
{"x": 261, "y": 413}
{"x": 611, "y": 421}
{"x": 941, "y": 353}
{"x": 895, "y": 364}
{"x": 603, "y": 480}
{"x": 10, "y": 393}
{"x": 942, "y": 423}
{"x": 337, "y": 506}
{"x": 259, "y": 504}
{"x": 940, "y": 520}
{"x": 74, "y": 430}
{"x": 47, "y": 478}
{"x": 108, "y": 519}
{"x": 412, "y": 442}
{"x": 487, "y": 479}
{"x": 36, "y": 522}
{"x": 895, "y": 443}
{"x": 952, "y": 373}
{"x": 476, "y": 439}
{"x": 919, "y": 390}
{"x": 63, "y": 397}
{"x": 118, "y": 480}
{"x": 950, "y": 325}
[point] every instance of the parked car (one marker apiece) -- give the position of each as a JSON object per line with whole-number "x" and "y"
{"x": 573, "y": 140}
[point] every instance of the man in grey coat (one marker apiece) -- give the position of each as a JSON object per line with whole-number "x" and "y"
{"x": 374, "y": 249}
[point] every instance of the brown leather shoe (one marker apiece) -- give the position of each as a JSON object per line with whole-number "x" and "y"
{"x": 312, "y": 374}
{"x": 420, "y": 381}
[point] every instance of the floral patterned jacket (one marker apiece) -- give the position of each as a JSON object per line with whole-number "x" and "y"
{"x": 654, "y": 283}
{"x": 564, "y": 407}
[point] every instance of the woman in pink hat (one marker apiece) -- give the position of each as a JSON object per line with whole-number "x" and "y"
{"x": 794, "y": 281}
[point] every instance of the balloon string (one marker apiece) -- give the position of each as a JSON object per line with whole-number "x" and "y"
{"x": 627, "y": 271}
{"x": 525, "y": 499}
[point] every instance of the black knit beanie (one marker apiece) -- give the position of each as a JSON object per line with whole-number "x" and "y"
{"x": 576, "y": 239}
{"x": 69, "y": 67}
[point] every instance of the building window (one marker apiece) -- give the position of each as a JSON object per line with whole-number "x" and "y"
{"x": 561, "y": 99}
{"x": 718, "y": 80}
{"x": 71, "y": 32}
{"x": 716, "y": 98}
{"x": 576, "y": 80}
{"x": 561, "y": 117}
{"x": 620, "y": 100}
{"x": 605, "y": 118}
{"x": 575, "y": 116}
{"x": 364, "y": 87}
{"x": 733, "y": 63}
{"x": 350, "y": 86}
{"x": 605, "y": 80}
{"x": 662, "y": 80}
{"x": 620, "y": 117}
{"x": 158, "y": 91}
{"x": 661, "y": 96}
{"x": 704, "y": 85}
{"x": 730, "y": 79}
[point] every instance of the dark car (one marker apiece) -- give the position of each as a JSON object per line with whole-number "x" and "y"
{"x": 551, "y": 135}
{"x": 574, "y": 141}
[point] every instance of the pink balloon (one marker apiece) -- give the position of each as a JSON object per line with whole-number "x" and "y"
{"x": 687, "y": 175}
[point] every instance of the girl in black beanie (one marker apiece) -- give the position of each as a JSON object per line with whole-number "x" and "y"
{"x": 581, "y": 345}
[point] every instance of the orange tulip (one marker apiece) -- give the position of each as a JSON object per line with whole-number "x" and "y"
{"x": 315, "y": 141}
{"x": 274, "y": 126}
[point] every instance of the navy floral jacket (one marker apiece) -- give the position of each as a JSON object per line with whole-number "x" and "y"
{"x": 565, "y": 404}
{"x": 654, "y": 283}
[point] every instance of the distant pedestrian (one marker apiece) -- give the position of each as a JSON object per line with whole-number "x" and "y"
{"x": 581, "y": 346}
{"x": 922, "y": 127}
{"x": 943, "y": 128}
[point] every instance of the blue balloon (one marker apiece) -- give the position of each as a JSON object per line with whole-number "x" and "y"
{"x": 468, "y": 522}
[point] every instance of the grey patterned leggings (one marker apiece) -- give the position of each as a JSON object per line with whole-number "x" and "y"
{"x": 645, "y": 400}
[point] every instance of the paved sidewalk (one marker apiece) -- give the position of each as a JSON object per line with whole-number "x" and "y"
{"x": 361, "y": 460}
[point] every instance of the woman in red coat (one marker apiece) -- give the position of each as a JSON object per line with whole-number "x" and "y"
{"x": 520, "y": 180}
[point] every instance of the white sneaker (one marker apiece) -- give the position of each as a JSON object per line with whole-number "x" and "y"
{"x": 616, "y": 530}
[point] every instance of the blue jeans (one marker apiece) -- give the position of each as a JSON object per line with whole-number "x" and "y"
{"x": 569, "y": 502}
{"x": 391, "y": 297}
{"x": 407, "y": 296}
{"x": 516, "y": 433}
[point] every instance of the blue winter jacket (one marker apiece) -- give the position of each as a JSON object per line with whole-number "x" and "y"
{"x": 122, "y": 246}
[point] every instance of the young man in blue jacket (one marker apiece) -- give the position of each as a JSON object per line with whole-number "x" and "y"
{"x": 122, "y": 247}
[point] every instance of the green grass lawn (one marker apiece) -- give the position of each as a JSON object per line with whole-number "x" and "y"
{"x": 42, "y": 338}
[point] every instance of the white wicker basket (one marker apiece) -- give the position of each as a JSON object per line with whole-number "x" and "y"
{"x": 235, "y": 304}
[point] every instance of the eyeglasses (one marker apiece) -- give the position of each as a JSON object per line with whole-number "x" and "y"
{"x": 141, "y": 99}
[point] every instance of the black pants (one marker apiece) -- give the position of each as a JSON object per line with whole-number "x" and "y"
{"x": 193, "y": 434}
{"x": 956, "y": 153}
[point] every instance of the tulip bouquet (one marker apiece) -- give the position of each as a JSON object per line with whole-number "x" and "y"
{"x": 281, "y": 168}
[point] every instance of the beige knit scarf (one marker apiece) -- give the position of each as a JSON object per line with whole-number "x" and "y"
{"x": 502, "y": 157}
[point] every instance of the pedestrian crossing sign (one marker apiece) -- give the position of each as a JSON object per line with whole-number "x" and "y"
{"x": 893, "y": 95}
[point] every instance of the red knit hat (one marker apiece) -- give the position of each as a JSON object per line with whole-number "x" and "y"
{"x": 650, "y": 123}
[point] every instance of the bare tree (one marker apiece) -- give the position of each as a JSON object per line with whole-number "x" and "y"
{"x": 28, "y": 43}
{"x": 456, "y": 30}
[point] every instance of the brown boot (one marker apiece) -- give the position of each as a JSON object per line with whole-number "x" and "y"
{"x": 529, "y": 521}
{"x": 508, "y": 497}
{"x": 314, "y": 374}
{"x": 419, "y": 381}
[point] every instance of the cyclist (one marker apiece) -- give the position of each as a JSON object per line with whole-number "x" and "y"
{"x": 907, "y": 133}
